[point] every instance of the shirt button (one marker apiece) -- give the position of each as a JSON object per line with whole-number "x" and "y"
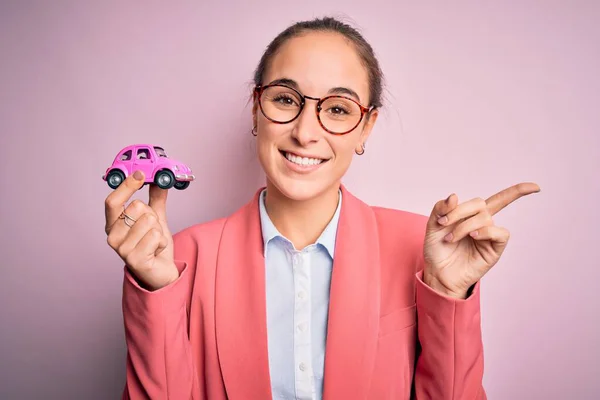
{"x": 302, "y": 366}
{"x": 295, "y": 259}
{"x": 301, "y": 295}
{"x": 302, "y": 327}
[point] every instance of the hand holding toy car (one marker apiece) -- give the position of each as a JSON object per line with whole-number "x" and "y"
{"x": 139, "y": 232}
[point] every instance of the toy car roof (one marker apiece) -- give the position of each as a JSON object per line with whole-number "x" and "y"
{"x": 141, "y": 145}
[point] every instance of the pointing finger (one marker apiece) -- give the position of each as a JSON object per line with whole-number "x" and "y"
{"x": 502, "y": 199}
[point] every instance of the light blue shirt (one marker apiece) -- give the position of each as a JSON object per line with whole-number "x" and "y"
{"x": 297, "y": 284}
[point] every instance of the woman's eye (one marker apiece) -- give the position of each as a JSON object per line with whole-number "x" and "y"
{"x": 338, "y": 110}
{"x": 288, "y": 101}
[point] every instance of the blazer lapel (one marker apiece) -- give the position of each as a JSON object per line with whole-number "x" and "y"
{"x": 240, "y": 307}
{"x": 354, "y": 303}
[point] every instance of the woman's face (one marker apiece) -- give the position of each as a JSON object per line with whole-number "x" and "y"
{"x": 316, "y": 64}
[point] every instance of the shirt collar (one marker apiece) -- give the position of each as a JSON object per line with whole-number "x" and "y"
{"x": 269, "y": 231}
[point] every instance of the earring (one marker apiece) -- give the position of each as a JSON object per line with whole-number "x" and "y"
{"x": 362, "y": 146}
{"x": 254, "y": 133}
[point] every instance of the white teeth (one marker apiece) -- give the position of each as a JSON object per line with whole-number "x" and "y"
{"x": 302, "y": 160}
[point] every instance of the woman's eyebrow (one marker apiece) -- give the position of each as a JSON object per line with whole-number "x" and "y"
{"x": 336, "y": 90}
{"x": 343, "y": 90}
{"x": 287, "y": 82}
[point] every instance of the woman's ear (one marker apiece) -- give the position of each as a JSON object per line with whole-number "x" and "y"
{"x": 368, "y": 128}
{"x": 254, "y": 111}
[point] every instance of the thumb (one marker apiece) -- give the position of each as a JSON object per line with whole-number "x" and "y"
{"x": 440, "y": 209}
{"x": 158, "y": 202}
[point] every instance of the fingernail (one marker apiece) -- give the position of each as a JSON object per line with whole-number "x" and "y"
{"x": 443, "y": 220}
{"x": 474, "y": 233}
{"x": 448, "y": 199}
{"x": 138, "y": 175}
{"x": 448, "y": 237}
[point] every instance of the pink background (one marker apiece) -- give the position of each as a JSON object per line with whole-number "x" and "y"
{"x": 480, "y": 96}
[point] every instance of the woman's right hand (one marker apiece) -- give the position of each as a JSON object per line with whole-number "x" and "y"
{"x": 147, "y": 245}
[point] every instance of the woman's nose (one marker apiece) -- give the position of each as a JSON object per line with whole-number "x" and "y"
{"x": 307, "y": 127}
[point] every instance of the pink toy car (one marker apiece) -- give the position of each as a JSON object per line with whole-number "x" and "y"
{"x": 152, "y": 160}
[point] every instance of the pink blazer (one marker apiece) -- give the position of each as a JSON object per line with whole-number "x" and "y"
{"x": 389, "y": 335}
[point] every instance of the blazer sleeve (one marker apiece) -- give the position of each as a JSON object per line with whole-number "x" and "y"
{"x": 450, "y": 361}
{"x": 159, "y": 357}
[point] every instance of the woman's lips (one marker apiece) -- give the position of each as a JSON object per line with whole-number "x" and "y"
{"x": 301, "y": 164}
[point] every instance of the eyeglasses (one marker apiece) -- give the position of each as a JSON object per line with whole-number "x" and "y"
{"x": 337, "y": 114}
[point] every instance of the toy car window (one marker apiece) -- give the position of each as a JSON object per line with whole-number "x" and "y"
{"x": 126, "y": 156}
{"x": 143, "y": 154}
{"x": 160, "y": 151}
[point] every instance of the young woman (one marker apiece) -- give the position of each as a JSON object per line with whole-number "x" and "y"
{"x": 306, "y": 292}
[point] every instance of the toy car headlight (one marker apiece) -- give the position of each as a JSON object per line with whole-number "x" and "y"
{"x": 176, "y": 168}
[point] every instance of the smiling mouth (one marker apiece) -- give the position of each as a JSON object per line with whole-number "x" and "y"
{"x": 302, "y": 161}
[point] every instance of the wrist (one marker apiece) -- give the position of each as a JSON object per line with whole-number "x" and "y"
{"x": 172, "y": 276}
{"x": 434, "y": 283}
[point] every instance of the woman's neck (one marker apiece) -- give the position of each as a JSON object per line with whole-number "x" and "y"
{"x": 302, "y": 222}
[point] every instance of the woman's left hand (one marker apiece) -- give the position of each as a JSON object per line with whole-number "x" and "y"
{"x": 462, "y": 243}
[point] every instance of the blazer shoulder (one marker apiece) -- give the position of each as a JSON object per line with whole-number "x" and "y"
{"x": 198, "y": 244}
{"x": 206, "y": 236}
{"x": 400, "y": 221}
{"x": 201, "y": 232}
{"x": 400, "y": 231}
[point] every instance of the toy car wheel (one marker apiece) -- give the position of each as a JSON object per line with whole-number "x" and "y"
{"x": 181, "y": 185}
{"x": 164, "y": 179}
{"x": 115, "y": 178}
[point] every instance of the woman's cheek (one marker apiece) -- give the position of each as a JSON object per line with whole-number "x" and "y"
{"x": 343, "y": 160}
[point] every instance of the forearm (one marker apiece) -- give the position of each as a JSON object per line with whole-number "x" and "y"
{"x": 450, "y": 364}
{"x": 159, "y": 363}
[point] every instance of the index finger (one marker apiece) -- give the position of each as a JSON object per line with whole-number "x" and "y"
{"x": 501, "y": 199}
{"x": 116, "y": 200}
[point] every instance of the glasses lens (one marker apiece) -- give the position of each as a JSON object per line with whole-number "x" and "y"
{"x": 340, "y": 115}
{"x": 280, "y": 103}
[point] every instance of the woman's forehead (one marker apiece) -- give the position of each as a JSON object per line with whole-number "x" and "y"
{"x": 319, "y": 61}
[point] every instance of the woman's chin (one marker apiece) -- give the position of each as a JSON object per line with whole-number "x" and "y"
{"x": 299, "y": 189}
